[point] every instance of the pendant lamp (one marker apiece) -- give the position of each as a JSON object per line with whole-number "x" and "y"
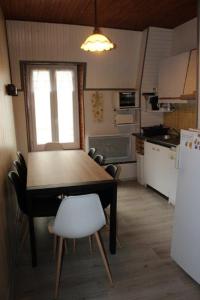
{"x": 97, "y": 42}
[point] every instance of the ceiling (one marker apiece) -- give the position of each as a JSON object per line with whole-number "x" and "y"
{"x": 122, "y": 14}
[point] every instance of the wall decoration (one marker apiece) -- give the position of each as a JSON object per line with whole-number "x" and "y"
{"x": 97, "y": 106}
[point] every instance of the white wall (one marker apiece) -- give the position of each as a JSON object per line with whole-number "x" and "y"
{"x": 185, "y": 37}
{"x": 159, "y": 44}
{"x": 107, "y": 126}
{"x": 57, "y": 42}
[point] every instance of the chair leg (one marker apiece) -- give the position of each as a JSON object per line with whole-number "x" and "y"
{"x": 118, "y": 241}
{"x": 74, "y": 246}
{"x": 65, "y": 246}
{"x": 90, "y": 243}
{"x": 59, "y": 263}
{"x": 25, "y": 234}
{"x": 104, "y": 257}
{"x": 19, "y": 216}
{"x": 55, "y": 244}
{"x": 32, "y": 242}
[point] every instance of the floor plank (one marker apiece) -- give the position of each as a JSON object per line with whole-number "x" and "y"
{"x": 142, "y": 268}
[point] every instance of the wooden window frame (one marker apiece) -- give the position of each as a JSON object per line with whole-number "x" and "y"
{"x": 81, "y": 75}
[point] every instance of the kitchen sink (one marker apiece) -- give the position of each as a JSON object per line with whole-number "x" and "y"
{"x": 167, "y": 137}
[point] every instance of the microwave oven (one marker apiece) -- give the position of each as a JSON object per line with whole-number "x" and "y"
{"x": 127, "y": 99}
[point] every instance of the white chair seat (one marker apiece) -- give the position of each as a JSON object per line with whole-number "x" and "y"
{"x": 79, "y": 216}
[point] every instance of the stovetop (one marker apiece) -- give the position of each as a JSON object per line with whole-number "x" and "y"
{"x": 163, "y": 140}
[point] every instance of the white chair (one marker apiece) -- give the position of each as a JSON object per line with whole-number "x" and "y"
{"x": 53, "y": 146}
{"x": 78, "y": 217}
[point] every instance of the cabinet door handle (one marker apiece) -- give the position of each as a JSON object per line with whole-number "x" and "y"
{"x": 153, "y": 148}
{"x": 157, "y": 149}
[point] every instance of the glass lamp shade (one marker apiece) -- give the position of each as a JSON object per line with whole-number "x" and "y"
{"x": 97, "y": 42}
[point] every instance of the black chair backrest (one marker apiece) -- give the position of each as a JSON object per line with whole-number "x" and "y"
{"x": 92, "y": 152}
{"x": 22, "y": 161}
{"x": 112, "y": 170}
{"x": 99, "y": 159}
{"x": 21, "y": 172}
{"x": 19, "y": 189}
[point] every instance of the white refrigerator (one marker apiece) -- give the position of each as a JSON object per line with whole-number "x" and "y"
{"x": 185, "y": 247}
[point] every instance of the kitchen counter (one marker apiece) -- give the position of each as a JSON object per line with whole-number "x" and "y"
{"x": 163, "y": 140}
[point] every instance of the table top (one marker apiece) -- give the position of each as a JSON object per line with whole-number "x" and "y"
{"x": 51, "y": 169}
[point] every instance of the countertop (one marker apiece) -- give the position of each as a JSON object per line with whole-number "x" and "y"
{"x": 171, "y": 141}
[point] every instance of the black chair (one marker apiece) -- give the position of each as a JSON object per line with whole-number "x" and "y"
{"x": 99, "y": 159}
{"x": 19, "y": 189}
{"x": 112, "y": 170}
{"x": 41, "y": 206}
{"x": 92, "y": 152}
{"x": 22, "y": 162}
{"x": 21, "y": 172}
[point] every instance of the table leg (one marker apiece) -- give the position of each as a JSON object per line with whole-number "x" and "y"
{"x": 32, "y": 242}
{"x": 113, "y": 219}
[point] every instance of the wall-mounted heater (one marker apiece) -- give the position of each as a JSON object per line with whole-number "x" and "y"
{"x": 115, "y": 148}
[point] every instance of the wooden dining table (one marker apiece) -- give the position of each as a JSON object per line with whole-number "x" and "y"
{"x": 67, "y": 172}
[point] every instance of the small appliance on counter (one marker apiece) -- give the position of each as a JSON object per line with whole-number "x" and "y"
{"x": 155, "y": 130}
{"x": 153, "y": 100}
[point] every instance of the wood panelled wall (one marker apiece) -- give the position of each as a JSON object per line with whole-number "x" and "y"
{"x": 184, "y": 116}
{"x": 7, "y": 153}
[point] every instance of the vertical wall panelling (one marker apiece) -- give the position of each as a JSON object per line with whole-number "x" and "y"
{"x": 7, "y": 154}
{"x": 159, "y": 45}
{"x": 58, "y": 42}
{"x": 185, "y": 37}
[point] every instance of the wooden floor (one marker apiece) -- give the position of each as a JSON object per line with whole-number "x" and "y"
{"x": 142, "y": 268}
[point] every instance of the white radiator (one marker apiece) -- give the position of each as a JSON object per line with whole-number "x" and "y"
{"x": 115, "y": 148}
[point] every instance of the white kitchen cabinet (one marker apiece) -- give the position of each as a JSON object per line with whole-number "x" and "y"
{"x": 172, "y": 75}
{"x": 191, "y": 78}
{"x": 159, "y": 169}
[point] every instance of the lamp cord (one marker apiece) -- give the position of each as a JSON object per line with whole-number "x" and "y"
{"x": 95, "y": 16}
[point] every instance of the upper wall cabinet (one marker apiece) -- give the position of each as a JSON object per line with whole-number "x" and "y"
{"x": 172, "y": 74}
{"x": 177, "y": 76}
{"x": 191, "y": 77}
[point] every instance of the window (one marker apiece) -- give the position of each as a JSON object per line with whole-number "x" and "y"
{"x": 53, "y": 106}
